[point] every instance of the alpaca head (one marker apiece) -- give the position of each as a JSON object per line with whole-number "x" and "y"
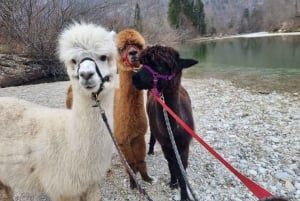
{"x": 129, "y": 43}
{"x": 89, "y": 54}
{"x": 162, "y": 68}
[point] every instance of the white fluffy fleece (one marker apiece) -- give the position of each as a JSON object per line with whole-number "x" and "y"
{"x": 63, "y": 153}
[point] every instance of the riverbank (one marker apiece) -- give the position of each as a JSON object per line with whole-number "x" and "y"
{"x": 257, "y": 133}
{"x": 258, "y": 61}
{"x": 256, "y": 83}
{"x": 250, "y": 35}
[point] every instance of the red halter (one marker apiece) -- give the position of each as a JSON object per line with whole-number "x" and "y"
{"x": 125, "y": 55}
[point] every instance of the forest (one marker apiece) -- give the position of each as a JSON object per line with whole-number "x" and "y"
{"x": 30, "y": 27}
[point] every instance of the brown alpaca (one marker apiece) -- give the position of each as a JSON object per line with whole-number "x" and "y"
{"x": 130, "y": 121}
{"x": 69, "y": 97}
{"x": 5, "y": 193}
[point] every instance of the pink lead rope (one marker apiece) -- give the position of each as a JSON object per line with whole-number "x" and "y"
{"x": 257, "y": 190}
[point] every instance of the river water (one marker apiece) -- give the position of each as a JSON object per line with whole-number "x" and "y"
{"x": 260, "y": 63}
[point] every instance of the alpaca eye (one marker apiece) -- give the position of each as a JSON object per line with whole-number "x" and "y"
{"x": 73, "y": 61}
{"x": 103, "y": 57}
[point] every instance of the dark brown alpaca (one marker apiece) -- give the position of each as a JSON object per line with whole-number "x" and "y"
{"x": 166, "y": 62}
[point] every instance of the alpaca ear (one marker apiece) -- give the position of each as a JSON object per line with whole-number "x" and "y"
{"x": 186, "y": 63}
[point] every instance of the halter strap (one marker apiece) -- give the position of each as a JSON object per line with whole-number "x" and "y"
{"x": 157, "y": 76}
{"x": 125, "y": 58}
{"x": 103, "y": 79}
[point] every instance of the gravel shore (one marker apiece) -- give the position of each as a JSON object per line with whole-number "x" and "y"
{"x": 258, "y": 133}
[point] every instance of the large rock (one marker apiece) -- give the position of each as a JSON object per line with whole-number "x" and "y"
{"x": 16, "y": 70}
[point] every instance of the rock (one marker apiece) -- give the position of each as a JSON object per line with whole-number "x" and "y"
{"x": 261, "y": 170}
{"x": 289, "y": 185}
{"x": 257, "y": 145}
{"x": 15, "y": 70}
{"x": 283, "y": 176}
{"x": 252, "y": 172}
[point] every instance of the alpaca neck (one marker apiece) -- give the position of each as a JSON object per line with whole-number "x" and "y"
{"x": 88, "y": 143}
{"x": 172, "y": 94}
{"x": 86, "y": 124}
{"x": 127, "y": 89}
{"x": 171, "y": 98}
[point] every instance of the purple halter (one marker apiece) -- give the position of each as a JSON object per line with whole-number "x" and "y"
{"x": 157, "y": 76}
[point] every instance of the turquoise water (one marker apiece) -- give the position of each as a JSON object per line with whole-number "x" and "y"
{"x": 269, "y": 63}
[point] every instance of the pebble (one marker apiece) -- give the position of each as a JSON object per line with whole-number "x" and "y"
{"x": 297, "y": 185}
{"x": 289, "y": 186}
{"x": 283, "y": 176}
{"x": 252, "y": 172}
{"x": 253, "y": 131}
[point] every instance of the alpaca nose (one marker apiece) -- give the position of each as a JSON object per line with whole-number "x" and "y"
{"x": 86, "y": 74}
{"x": 133, "y": 53}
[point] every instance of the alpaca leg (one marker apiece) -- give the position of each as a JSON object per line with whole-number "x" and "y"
{"x": 183, "y": 188}
{"x": 172, "y": 164}
{"x": 93, "y": 193}
{"x": 139, "y": 150}
{"x": 177, "y": 179}
{"x": 151, "y": 144}
{"x": 6, "y": 193}
{"x": 129, "y": 156}
{"x": 176, "y": 176}
{"x": 142, "y": 168}
{"x": 68, "y": 199}
{"x": 133, "y": 185}
{"x": 184, "y": 153}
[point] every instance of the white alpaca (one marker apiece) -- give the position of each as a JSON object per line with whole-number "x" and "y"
{"x": 64, "y": 153}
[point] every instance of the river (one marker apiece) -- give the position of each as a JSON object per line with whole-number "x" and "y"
{"x": 263, "y": 62}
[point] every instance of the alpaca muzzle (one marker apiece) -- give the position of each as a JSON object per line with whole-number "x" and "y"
{"x": 131, "y": 57}
{"x": 88, "y": 75}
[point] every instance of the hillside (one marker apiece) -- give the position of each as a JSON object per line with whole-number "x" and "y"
{"x": 240, "y": 16}
{"x": 231, "y": 16}
{"x": 36, "y": 33}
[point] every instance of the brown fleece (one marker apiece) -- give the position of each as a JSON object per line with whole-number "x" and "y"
{"x": 130, "y": 121}
{"x": 5, "y": 193}
{"x": 69, "y": 98}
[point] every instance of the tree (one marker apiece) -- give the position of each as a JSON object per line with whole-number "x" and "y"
{"x": 256, "y": 20}
{"x": 194, "y": 11}
{"x": 190, "y": 10}
{"x": 138, "y": 25}
{"x": 35, "y": 24}
{"x": 244, "y": 25}
{"x": 174, "y": 13}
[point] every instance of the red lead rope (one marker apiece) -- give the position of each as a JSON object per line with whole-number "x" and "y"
{"x": 257, "y": 190}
